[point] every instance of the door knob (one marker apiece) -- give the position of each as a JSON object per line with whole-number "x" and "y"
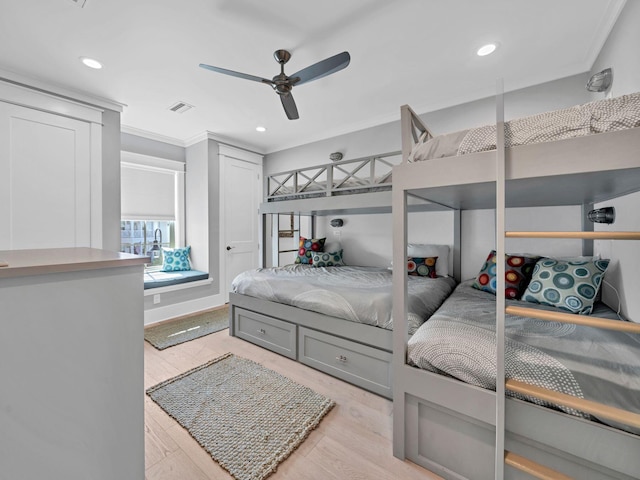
{"x": 229, "y": 248}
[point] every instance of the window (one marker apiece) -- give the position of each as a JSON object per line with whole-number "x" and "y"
{"x": 147, "y": 237}
{"x": 152, "y": 205}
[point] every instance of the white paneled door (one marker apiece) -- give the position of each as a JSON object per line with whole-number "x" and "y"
{"x": 45, "y": 179}
{"x": 242, "y": 195}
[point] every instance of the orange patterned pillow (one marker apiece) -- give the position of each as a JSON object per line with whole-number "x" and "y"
{"x": 518, "y": 271}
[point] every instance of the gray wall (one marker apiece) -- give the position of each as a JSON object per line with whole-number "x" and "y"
{"x": 620, "y": 52}
{"x": 111, "y": 180}
{"x": 367, "y": 239}
{"x": 202, "y": 191}
{"x": 154, "y": 148}
{"x": 201, "y": 210}
{"x": 564, "y": 92}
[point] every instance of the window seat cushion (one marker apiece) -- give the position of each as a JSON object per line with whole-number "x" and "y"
{"x": 155, "y": 279}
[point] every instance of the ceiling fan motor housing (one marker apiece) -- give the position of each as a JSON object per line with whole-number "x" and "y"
{"x": 282, "y": 56}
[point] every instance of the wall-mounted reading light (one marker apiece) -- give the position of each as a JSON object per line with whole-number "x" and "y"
{"x": 602, "y": 215}
{"x": 157, "y": 241}
{"x": 336, "y": 222}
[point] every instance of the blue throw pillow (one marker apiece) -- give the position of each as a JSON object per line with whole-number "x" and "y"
{"x": 176, "y": 259}
{"x": 569, "y": 285}
{"x": 327, "y": 259}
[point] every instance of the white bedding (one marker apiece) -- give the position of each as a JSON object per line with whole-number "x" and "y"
{"x": 357, "y": 294}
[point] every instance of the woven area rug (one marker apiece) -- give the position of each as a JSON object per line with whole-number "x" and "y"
{"x": 168, "y": 334}
{"x": 248, "y": 417}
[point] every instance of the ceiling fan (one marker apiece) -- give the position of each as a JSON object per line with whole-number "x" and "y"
{"x": 283, "y": 84}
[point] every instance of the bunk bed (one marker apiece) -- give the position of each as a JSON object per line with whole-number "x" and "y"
{"x": 278, "y": 308}
{"x": 463, "y": 431}
{"x": 335, "y": 319}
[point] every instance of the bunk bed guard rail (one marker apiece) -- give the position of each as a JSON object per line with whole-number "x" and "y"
{"x": 361, "y": 174}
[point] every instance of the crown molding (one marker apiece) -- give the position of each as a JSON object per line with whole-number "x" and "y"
{"x": 207, "y": 135}
{"x": 138, "y": 132}
{"x": 76, "y": 96}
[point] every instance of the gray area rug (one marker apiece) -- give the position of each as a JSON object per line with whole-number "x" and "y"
{"x": 246, "y": 416}
{"x": 168, "y": 334}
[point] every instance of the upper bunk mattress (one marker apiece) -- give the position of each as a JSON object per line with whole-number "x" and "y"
{"x": 600, "y": 365}
{"x": 357, "y": 294}
{"x": 607, "y": 115}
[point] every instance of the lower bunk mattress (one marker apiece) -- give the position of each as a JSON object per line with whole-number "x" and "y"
{"x": 357, "y": 294}
{"x": 459, "y": 340}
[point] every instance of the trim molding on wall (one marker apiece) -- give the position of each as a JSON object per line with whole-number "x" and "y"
{"x": 184, "y": 308}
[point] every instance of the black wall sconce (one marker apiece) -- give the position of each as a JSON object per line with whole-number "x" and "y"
{"x": 155, "y": 249}
{"x": 602, "y": 215}
{"x": 336, "y": 222}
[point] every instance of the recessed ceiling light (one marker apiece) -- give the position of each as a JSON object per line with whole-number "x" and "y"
{"x": 91, "y": 62}
{"x": 261, "y": 129}
{"x": 487, "y": 49}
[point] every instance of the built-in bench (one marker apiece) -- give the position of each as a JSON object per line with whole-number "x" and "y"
{"x": 159, "y": 278}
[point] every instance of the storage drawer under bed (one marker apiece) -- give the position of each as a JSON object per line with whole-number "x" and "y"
{"x": 361, "y": 365}
{"x": 268, "y": 332}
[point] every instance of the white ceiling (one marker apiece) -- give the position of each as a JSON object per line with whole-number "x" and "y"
{"x": 420, "y": 52}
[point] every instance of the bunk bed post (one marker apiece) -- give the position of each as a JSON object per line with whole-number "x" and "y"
{"x": 262, "y": 235}
{"x": 587, "y": 226}
{"x": 400, "y": 327}
{"x": 407, "y": 128}
{"x": 275, "y": 239}
{"x": 500, "y": 276}
{"x": 457, "y": 245}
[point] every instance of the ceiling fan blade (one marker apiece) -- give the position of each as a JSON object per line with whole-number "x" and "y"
{"x": 237, "y": 74}
{"x": 321, "y": 69}
{"x": 289, "y": 106}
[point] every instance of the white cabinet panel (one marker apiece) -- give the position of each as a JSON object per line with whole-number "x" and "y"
{"x": 45, "y": 179}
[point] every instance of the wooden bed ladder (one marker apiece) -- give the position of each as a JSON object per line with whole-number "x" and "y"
{"x": 594, "y": 408}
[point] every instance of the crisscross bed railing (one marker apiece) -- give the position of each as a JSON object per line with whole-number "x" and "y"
{"x": 346, "y": 176}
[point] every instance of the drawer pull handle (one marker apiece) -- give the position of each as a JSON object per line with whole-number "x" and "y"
{"x": 341, "y": 358}
{"x": 262, "y": 331}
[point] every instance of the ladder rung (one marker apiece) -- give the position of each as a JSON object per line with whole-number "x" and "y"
{"x": 585, "y": 235}
{"x": 596, "y": 409}
{"x": 586, "y": 320}
{"x": 532, "y": 468}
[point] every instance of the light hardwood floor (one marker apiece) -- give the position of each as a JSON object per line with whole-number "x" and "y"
{"x": 352, "y": 442}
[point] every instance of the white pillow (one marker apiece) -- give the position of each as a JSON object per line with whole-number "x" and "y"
{"x": 422, "y": 250}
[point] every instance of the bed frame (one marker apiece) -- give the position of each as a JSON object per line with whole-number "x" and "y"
{"x": 357, "y": 353}
{"x": 460, "y": 431}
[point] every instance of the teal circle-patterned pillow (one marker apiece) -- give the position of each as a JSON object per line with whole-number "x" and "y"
{"x": 327, "y": 259}
{"x": 307, "y": 247}
{"x": 571, "y": 285}
{"x": 176, "y": 259}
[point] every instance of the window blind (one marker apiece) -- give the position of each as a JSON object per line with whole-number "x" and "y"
{"x": 147, "y": 193}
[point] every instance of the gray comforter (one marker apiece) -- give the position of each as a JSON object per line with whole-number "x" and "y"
{"x": 358, "y": 294}
{"x": 595, "y": 364}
